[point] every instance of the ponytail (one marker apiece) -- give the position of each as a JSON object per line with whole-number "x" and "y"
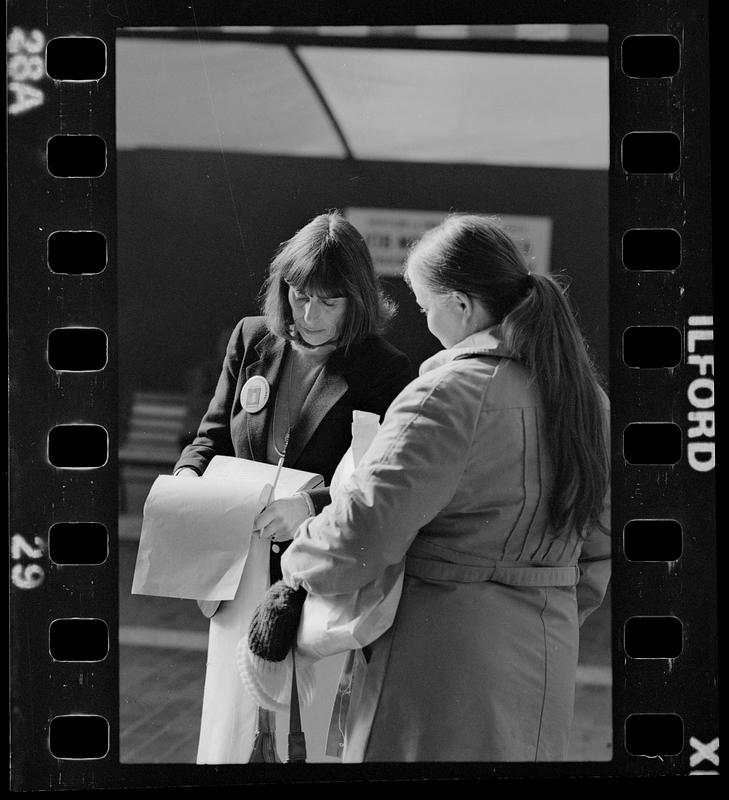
{"x": 473, "y": 254}
{"x": 541, "y": 331}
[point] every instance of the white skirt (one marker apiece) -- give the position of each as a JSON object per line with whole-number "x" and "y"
{"x": 229, "y": 713}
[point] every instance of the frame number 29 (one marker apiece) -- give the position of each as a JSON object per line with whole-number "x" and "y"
{"x": 26, "y": 575}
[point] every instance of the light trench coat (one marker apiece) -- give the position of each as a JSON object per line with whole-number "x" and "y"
{"x": 480, "y": 662}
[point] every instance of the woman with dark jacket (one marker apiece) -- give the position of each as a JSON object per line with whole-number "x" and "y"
{"x": 289, "y": 384}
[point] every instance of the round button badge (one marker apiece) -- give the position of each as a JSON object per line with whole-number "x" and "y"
{"x": 254, "y": 394}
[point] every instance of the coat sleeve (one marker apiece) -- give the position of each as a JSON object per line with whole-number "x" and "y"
{"x": 594, "y": 565}
{"x": 594, "y": 561}
{"x": 213, "y": 435}
{"x": 410, "y": 473}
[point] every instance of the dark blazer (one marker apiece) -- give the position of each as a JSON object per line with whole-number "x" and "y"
{"x": 368, "y": 378}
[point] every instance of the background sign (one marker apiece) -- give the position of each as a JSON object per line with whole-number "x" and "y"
{"x": 389, "y": 232}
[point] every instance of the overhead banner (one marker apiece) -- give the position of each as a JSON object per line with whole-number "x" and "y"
{"x": 389, "y": 232}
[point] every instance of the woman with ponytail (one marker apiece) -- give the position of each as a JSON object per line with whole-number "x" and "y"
{"x": 489, "y": 481}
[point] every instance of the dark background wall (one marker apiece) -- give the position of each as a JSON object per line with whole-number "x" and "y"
{"x": 197, "y": 230}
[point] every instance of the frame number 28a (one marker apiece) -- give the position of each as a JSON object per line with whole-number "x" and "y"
{"x": 24, "y": 69}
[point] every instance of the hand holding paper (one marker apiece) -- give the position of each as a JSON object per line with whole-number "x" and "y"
{"x": 280, "y": 519}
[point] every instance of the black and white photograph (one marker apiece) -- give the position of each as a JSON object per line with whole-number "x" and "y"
{"x": 363, "y": 406}
{"x": 362, "y": 420}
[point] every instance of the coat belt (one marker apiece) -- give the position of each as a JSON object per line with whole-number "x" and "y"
{"x": 426, "y": 560}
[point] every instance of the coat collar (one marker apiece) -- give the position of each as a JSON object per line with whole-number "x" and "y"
{"x": 326, "y": 391}
{"x": 481, "y": 343}
{"x": 270, "y": 350}
{"x": 328, "y": 388}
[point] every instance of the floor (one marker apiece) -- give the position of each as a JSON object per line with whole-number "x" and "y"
{"x": 162, "y": 669}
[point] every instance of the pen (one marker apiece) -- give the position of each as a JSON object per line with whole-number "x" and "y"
{"x": 278, "y": 470}
{"x": 275, "y": 480}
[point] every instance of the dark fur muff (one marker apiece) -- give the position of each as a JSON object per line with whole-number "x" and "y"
{"x": 275, "y": 622}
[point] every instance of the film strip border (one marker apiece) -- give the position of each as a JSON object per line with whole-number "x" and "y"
{"x": 525, "y": 32}
{"x": 662, "y": 381}
{"x": 63, "y": 370}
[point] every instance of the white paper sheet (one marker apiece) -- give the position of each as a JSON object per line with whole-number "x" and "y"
{"x": 196, "y": 532}
{"x": 365, "y": 425}
{"x": 289, "y": 482}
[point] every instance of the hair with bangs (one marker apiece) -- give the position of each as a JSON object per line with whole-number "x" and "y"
{"x": 328, "y": 257}
{"x": 472, "y": 254}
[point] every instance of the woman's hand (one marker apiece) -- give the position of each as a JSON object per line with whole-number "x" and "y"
{"x": 187, "y": 472}
{"x": 279, "y": 520}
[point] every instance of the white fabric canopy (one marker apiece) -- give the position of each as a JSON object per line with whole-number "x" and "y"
{"x": 390, "y": 104}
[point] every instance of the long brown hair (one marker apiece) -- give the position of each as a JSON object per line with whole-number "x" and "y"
{"x": 472, "y": 254}
{"x": 327, "y": 257}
